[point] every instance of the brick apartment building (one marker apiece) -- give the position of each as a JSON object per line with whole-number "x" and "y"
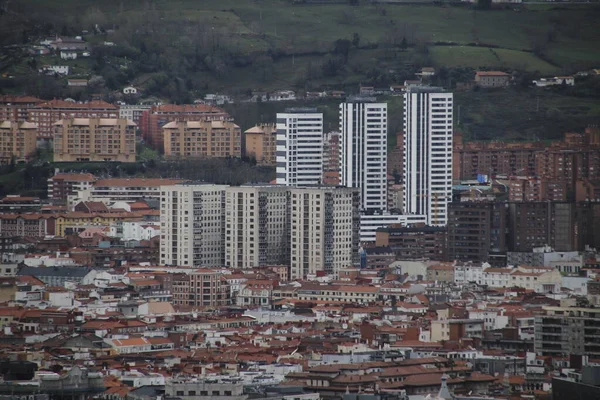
{"x": 45, "y": 115}
{"x": 476, "y": 231}
{"x": 203, "y": 287}
{"x": 16, "y": 108}
{"x": 94, "y": 139}
{"x": 62, "y": 185}
{"x": 259, "y": 142}
{"x": 212, "y": 139}
{"x": 152, "y": 121}
{"x": 420, "y": 242}
{"x": 485, "y": 231}
{"x": 17, "y": 141}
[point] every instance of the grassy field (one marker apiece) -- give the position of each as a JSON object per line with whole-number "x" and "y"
{"x": 486, "y": 57}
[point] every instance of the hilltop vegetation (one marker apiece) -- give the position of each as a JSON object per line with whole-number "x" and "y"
{"x": 179, "y": 50}
{"x": 177, "y": 46}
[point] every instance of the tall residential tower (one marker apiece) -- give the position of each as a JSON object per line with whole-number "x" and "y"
{"x": 428, "y": 153}
{"x": 299, "y": 147}
{"x": 363, "y": 151}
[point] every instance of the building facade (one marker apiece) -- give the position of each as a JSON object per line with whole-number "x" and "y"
{"x": 94, "y": 139}
{"x": 428, "y": 153}
{"x": 299, "y": 147}
{"x": 324, "y": 230}
{"x": 363, "y": 151}
{"x": 17, "y": 141}
{"x": 16, "y": 108}
{"x": 202, "y": 287}
{"x": 257, "y": 226}
{"x": 564, "y": 331}
{"x": 63, "y": 185}
{"x": 192, "y": 225}
{"x": 45, "y": 115}
{"x": 477, "y": 231}
{"x": 209, "y": 139}
{"x": 152, "y": 120}
{"x": 260, "y": 144}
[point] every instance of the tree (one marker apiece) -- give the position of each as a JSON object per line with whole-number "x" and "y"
{"x": 342, "y": 47}
{"x": 404, "y": 43}
{"x": 484, "y": 4}
{"x": 355, "y": 39}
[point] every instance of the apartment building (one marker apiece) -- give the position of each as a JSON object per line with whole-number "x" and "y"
{"x": 260, "y": 144}
{"x": 201, "y": 288}
{"x": 133, "y": 112}
{"x": 456, "y": 329}
{"x": 208, "y": 139}
{"x": 415, "y": 243}
{"x": 17, "y": 141}
{"x": 94, "y": 139}
{"x": 257, "y": 229}
{"x": 124, "y": 189}
{"x": 324, "y": 230}
{"x": 299, "y": 147}
{"x": 192, "y": 219}
{"x": 16, "y": 108}
{"x": 363, "y": 150}
{"x": 428, "y": 124}
{"x": 45, "y": 115}
{"x": 152, "y": 120}
{"x": 476, "y": 231}
{"x": 63, "y": 185}
{"x": 491, "y": 79}
{"x": 564, "y": 331}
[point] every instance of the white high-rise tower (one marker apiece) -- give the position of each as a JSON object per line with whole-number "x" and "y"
{"x": 428, "y": 153}
{"x": 363, "y": 151}
{"x": 299, "y": 147}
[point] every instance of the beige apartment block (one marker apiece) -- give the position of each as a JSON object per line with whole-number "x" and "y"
{"x": 94, "y": 139}
{"x": 260, "y": 143}
{"x": 212, "y": 139}
{"x": 17, "y": 141}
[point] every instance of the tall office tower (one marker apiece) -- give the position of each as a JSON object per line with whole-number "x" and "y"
{"x": 363, "y": 151}
{"x": 256, "y": 226}
{"x": 428, "y": 153}
{"x": 192, "y": 219}
{"x": 324, "y": 230}
{"x": 299, "y": 147}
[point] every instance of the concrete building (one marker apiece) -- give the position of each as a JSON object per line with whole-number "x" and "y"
{"x": 415, "y": 243}
{"x": 476, "y": 231}
{"x": 324, "y": 226}
{"x": 201, "y": 287}
{"x": 63, "y": 185}
{"x": 363, "y": 151}
{"x": 257, "y": 226}
{"x": 152, "y": 120}
{"x": 428, "y": 124}
{"x": 133, "y": 112}
{"x": 16, "y": 108}
{"x": 207, "y": 139}
{"x": 94, "y": 139}
{"x": 192, "y": 219}
{"x": 456, "y": 329}
{"x": 17, "y": 141}
{"x": 491, "y": 79}
{"x": 45, "y": 115}
{"x": 370, "y": 223}
{"x": 260, "y": 144}
{"x": 300, "y": 147}
{"x": 124, "y": 189}
{"x": 205, "y": 389}
{"x": 564, "y": 331}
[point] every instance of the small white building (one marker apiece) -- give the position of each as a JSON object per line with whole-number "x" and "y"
{"x": 130, "y": 90}
{"x": 68, "y": 55}
{"x": 55, "y": 69}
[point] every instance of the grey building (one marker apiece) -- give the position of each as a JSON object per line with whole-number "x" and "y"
{"x": 57, "y": 276}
